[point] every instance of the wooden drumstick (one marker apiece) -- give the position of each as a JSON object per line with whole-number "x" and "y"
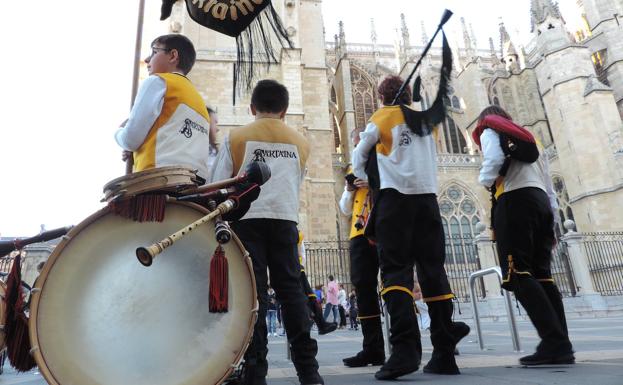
{"x": 146, "y": 255}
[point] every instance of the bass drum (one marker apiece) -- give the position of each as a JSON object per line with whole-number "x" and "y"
{"x": 99, "y": 317}
{"x": 2, "y": 316}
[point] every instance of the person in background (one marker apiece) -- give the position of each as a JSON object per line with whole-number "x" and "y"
{"x": 342, "y": 304}
{"x": 352, "y": 310}
{"x": 332, "y": 302}
{"x": 271, "y": 314}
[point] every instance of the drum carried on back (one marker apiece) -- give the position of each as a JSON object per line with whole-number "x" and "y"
{"x": 98, "y": 316}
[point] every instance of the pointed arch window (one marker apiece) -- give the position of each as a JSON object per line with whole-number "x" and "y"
{"x": 364, "y": 98}
{"x": 455, "y": 141}
{"x": 564, "y": 207}
{"x": 459, "y": 216}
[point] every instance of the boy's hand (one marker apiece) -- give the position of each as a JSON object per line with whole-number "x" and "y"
{"x": 360, "y": 183}
{"x": 125, "y": 155}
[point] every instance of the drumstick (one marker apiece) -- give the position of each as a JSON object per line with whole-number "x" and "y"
{"x": 147, "y": 254}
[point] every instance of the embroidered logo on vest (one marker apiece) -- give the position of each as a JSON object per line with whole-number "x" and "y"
{"x": 260, "y": 155}
{"x": 189, "y": 126}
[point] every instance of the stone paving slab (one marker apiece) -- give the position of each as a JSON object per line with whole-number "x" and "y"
{"x": 598, "y": 343}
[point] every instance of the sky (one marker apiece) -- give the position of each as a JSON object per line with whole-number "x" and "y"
{"x": 67, "y": 75}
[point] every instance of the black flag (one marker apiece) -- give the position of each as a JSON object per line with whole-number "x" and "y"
{"x": 251, "y": 22}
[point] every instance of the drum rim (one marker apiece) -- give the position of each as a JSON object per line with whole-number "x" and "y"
{"x": 36, "y": 294}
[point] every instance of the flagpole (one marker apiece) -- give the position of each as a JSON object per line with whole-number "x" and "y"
{"x": 137, "y": 60}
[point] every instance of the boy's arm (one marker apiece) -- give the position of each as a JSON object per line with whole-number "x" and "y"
{"x": 493, "y": 157}
{"x": 346, "y": 202}
{"x": 368, "y": 139}
{"x": 223, "y": 166}
{"x": 147, "y": 108}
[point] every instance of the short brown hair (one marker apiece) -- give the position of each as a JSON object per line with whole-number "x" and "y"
{"x": 389, "y": 87}
{"x": 185, "y": 50}
{"x": 493, "y": 110}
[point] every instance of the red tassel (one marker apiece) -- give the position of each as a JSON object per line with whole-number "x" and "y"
{"x": 141, "y": 208}
{"x": 16, "y": 324}
{"x": 219, "y": 282}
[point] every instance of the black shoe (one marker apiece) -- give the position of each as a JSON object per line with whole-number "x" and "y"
{"x": 545, "y": 359}
{"x": 396, "y": 367}
{"x": 326, "y": 327}
{"x": 363, "y": 358}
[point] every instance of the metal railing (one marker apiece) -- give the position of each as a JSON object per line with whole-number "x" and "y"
{"x": 327, "y": 258}
{"x": 332, "y": 258}
{"x": 604, "y": 252}
{"x": 562, "y": 272}
{"x": 509, "y": 306}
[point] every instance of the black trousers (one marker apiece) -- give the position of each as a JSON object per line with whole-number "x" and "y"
{"x": 364, "y": 269}
{"x": 523, "y": 224}
{"x": 409, "y": 232}
{"x": 272, "y": 244}
{"x": 524, "y": 230}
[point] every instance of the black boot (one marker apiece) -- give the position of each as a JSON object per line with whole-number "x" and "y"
{"x": 555, "y": 347}
{"x": 373, "y": 352}
{"x": 444, "y": 335}
{"x": 404, "y": 336}
{"x": 555, "y": 298}
{"x": 324, "y": 327}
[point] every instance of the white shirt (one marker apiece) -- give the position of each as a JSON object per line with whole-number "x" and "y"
{"x": 519, "y": 174}
{"x": 411, "y": 165}
{"x": 146, "y": 109}
{"x": 346, "y": 202}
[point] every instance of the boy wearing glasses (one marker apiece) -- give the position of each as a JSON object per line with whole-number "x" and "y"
{"x": 168, "y": 124}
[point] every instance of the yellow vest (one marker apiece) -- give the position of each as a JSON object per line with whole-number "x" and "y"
{"x": 181, "y": 100}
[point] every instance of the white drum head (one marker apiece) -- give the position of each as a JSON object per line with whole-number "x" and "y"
{"x": 103, "y": 318}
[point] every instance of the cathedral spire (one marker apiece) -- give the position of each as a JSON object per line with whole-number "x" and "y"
{"x": 341, "y": 40}
{"x": 494, "y": 56}
{"x": 424, "y": 34}
{"x": 509, "y": 54}
{"x": 467, "y": 40}
{"x": 540, "y": 9}
{"x": 404, "y": 31}
{"x": 373, "y": 35}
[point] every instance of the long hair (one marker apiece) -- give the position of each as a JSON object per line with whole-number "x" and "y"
{"x": 494, "y": 110}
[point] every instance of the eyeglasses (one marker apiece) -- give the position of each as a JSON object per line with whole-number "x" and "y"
{"x": 154, "y": 50}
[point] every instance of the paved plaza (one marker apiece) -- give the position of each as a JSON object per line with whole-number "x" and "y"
{"x": 597, "y": 341}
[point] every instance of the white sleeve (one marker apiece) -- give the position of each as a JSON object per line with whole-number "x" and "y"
{"x": 223, "y": 167}
{"x": 368, "y": 139}
{"x": 346, "y": 202}
{"x": 493, "y": 157}
{"x": 147, "y": 108}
